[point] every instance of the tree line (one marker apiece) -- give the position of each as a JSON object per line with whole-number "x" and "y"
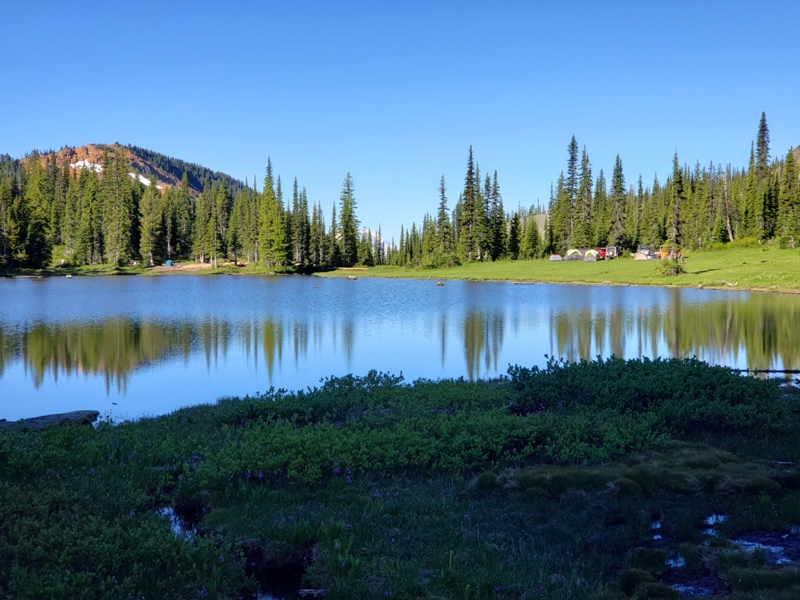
{"x": 94, "y": 216}
{"x": 696, "y": 208}
{"x": 102, "y": 215}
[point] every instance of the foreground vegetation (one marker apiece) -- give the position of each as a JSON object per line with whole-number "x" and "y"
{"x": 576, "y": 481}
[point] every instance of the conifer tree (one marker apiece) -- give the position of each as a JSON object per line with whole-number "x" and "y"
{"x": 168, "y": 206}
{"x": 38, "y": 245}
{"x": 272, "y": 243}
{"x": 497, "y": 222}
{"x": 222, "y": 209}
{"x": 677, "y": 197}
{"x": 531, "y": 239}
{"x": 583, "y": 204}
{"x": 349, "y": 223}
{"x": 335, "y": 256}
{"x": 318, "y": 246}
{"x": 71, "y": 218}
{"x": 89, "y": 241}
{"x": 561, "y": 215}
{"x": 118, "y": 207}
{"x": 571, "y": 191}
{"x": 616, "y": 234}
{"x": 444, "y": 228}
{"x": 380, "y": 254}
{"x": 183, "y": 217}
{"x": 789, "y": 203}
{"x": 238, "y": 225}
{"x": 762, "y": 148}
{"x": 365, "y": 255}
{"x": 471, "y": 208}
{"x": 203, "y": 212}
{"x": 150, "y": 223}
{"x": 600, "y": 213}
{"x": 513, "y": 237}
{"x": 5, "y": 214}
{"x": 753, "y": 217}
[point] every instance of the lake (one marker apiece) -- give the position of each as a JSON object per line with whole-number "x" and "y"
{"x": 135, "y": 346}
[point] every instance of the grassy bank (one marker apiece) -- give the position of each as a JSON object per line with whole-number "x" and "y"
{"x": 579, "y": 481}
{"x": 759, "y": 269}
{"x": 774, "y": 270}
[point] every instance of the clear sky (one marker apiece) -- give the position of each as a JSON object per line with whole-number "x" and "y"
{"x": 395, "y": 92}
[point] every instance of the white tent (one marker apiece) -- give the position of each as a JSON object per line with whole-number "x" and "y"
{"x": 555, "y": 257}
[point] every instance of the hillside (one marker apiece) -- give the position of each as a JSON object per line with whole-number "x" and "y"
{"x": 144, "y": 164}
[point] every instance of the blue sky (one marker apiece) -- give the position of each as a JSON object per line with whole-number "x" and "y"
{"x": 396, "y": 92}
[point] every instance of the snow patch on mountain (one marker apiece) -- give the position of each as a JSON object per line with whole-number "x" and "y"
{"x": 85, "y": 164}
{"x": 143, "y": 180}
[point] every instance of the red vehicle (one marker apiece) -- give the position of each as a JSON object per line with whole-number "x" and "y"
{"x": 601, "y": 253}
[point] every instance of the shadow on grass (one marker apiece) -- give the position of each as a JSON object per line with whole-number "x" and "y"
{"x": 701, "y": 272}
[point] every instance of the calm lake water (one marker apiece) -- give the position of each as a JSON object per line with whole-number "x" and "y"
{"x": 133, "y": 346}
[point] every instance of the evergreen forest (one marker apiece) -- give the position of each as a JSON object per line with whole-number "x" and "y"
{"x": 54, "y": 213}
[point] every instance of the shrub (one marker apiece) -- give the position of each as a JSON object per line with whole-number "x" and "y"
{"x": 670, "y": 267}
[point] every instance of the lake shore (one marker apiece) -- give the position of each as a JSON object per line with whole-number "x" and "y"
{"x": 741, "y": 269}
{"x": 609, "y": 480}
{"x": 746, "y": 269}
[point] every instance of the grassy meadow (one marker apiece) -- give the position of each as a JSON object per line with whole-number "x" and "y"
{"x": 605, "y": 480}
{"x": 767, "y": 269}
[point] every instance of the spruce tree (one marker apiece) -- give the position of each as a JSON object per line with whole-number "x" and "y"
{"x": 349, "y": 223}
{"x": 531, "y": 239}
{"x": 471, "y": 207}
{"x": 513, "y": 237}
{"x": 5, "y": 212}
{"x": 583, "y": 205}
{"x": 444, "y": 228}
{"x": 150, "y": 223}
{"x": 497, "y": 222}
{"x": 117, "y": 203}
{"x": 677, "y": 198}
{"x": 599, "y": 211}
{"x": 789, "y": 203}
{"x": 762, "y": 148}
{"x": 272, "y": 243}
{"x": 38, "y": 244}
{"x": 571, "y": 190}
{"x": 184, "y": 213}
{"x": 616, "y": 232}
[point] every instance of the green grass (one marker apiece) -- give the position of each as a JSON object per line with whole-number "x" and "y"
{"x": 762, "y": 269}
{"x": 542, "y": 485}
{"x": 772, "y": 269}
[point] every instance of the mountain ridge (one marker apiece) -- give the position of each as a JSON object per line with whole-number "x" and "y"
{"x": 145, "y": 163}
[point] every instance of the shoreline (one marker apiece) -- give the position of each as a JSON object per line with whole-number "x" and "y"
{"x": 745, "y": 270}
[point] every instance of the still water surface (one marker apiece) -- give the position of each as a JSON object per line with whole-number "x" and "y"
{"x": 133, "y": 346}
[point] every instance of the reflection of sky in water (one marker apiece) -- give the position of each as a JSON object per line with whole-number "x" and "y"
{"x": 148, "y": 345}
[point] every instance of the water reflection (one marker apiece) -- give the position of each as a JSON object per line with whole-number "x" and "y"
{"x": 762, "y": 329}
{"x": 158, "y": 351}
{"x": 483, "y": 339}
